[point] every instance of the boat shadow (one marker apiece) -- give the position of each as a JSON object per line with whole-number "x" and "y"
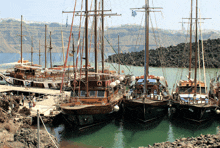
{"x": 79, "y": 131}
{"x": 136, "y": 125}
{"x": 190, "y": 125}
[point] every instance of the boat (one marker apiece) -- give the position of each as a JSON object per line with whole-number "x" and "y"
{"x": 149, "y": 97}
{"x": 190, "y": 99}
{"x": 96, "y": 97}
{"x": 27, "y": 74}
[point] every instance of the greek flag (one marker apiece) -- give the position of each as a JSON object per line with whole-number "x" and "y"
{"x": 134, "y": 13}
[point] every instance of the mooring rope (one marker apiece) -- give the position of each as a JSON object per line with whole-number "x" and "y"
{"x": 47, "y": 132}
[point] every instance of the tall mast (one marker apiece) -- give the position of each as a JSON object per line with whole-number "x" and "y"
{"x": 146, "y": 58}
{"x": 195, "y": 88}
{"x": 62, "y": 47}
{"x": 146, "y": 53}
{"x": 21, "y": 39}
{"x": 102, "y": 36}
{"x": 32, "y": 50}
{"x": 95, "y": 40}
{"x": 50, "y": 52}
{"x": 86, "y": 31}
{"x": 118, "y": 57}
{"x": 73, "y": 53}
{"x": 45, "y": 46}
{"x": 190, "y": 44}
{"x": 39, "y": 52}
{"x": 86, "y": 50}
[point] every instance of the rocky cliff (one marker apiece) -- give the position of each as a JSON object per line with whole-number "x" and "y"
{"x": 173, "y": 56}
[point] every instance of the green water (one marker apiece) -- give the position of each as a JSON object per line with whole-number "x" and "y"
{"x": 124, "y": 134}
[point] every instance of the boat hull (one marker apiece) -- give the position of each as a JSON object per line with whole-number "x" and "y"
{"x": 145, "y": 112}
{"x": 193, "y": 113}
{"x": 91, "y": 115}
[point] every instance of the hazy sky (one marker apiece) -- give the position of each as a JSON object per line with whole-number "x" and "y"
{"x": 172, "y": 12}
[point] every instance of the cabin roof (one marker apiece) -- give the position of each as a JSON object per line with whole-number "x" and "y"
{"x": 191, "y": 83}
{"x": 150, "y": 80}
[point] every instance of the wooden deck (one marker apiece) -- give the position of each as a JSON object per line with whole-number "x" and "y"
{"x": 6, "y": 88}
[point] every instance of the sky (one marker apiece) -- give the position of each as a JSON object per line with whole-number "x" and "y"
{"x": 169, "y": 18}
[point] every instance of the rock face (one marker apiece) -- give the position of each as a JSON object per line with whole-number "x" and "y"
{"x": 27, "y": 138}
{"x": 3, "y": 116}
{"x": 201, "y": 141}
{"x": 173, "y": 56}
{"x": 25, "y": 111}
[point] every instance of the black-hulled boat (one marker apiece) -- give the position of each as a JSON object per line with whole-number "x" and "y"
{"x": 190, "y": 99}
{"x": 149, "y": 98}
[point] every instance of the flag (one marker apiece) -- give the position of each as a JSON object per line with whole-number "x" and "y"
{"x": 134, "y": 13}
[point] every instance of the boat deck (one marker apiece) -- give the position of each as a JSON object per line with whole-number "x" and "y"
{"x": 148, "y": 101}
{"x": 75, "y": 107}
{"x": 6, "y": 88}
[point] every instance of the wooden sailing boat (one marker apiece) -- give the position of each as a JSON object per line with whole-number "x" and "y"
{"x": 190, "y": 98}
{"x": 149, "y": 98}
{"x": 26, "y": 73}
{"x": 96, "y": 96}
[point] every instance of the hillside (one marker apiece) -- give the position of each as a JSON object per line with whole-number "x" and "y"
{"x": 10, "y": 39}
{"x": 173, "y": 56}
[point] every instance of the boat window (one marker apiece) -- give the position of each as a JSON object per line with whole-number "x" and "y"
{"x": 202, "y": 89}
{"x": 189, "y": 89}
{"x": 185, "y": 89}
{"x": 92, "y": 93}
{"x": 83, "y": 93}
{"x": 101, "y": 93}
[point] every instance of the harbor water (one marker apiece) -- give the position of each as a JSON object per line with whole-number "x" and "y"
{"x": 121, "y": 133}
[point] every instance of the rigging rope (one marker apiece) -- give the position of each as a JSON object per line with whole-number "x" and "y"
{"x": 116, "y": 53}
{"x": 77, "y": 56}
{"x": 68, "y": 46}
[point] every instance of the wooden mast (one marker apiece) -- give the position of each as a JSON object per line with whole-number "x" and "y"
{"x": 102, "y": 36}
{"x": 146, "y": 53}
{"x": 39, "y": 52}
{"x": 73, "y": 53}
{"x": 21, "y": 39}
{"x": 86, "y": 48}
{"x": 146, "y": 58}
{"x": 190, "y": 44}
{"x": 95, "y": 40}
{"x": 118, "y": 57}
{"x": 50, "y": 52}
{"x": 45, "y": 47}
{"x": 32, "y": 50}
{"x": 195, "y": 82}
{"x": 62, "y": 47}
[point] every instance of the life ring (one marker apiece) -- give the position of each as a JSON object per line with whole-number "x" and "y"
{"x": 99, "y": 83}
{"x": 75, "y": 83}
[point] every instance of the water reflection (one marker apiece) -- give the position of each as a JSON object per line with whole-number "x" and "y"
{"x": 126, "y": 134}
{"x": 119, "y": 137}
{"x": 170, "y": 133}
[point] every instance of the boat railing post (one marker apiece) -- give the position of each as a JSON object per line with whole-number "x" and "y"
{"x": 38, "y": 130}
